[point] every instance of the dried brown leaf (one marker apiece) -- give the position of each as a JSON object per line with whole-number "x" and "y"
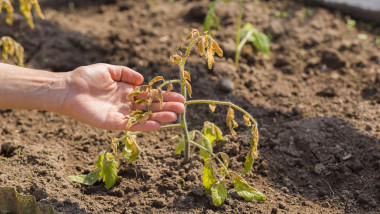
{"x": 188, "y": 86}
{"x": 230, "y": 120}
{"x": 217, "y": 49}
{"x": 156, "y": 79}
{"x": 170, "y": 87}
{"x": 176, "y": 59}
{"x": 247, "y": 120}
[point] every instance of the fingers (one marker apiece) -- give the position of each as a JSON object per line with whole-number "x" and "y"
{"x": 175, "y": 107}
{"x": 155, "y": 121}
{"x": 167, "y": 97}
{"x": 124, "y": 74}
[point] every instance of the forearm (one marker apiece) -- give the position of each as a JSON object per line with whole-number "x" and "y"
{"x": 23, "y": 88}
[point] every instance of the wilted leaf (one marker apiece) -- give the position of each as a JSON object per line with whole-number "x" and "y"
{"x": 156, "y": 79}
{"x": 12, "y": 48}
{"x": 248, "y": 162}
{"x": 212, "y": 131}
{"x": 252, "y": 155}
{"x": 186, "y": 75}
{"x": 181, "y": 143}
{"x": 88, "y": 180}
{"x": 109, "y": 171}
{"x": 247, "y": 120}
{"x": 131, "y": 150}
{"x": 217, "y": 49}
{"x": 245, "y": 190}
{"x": 137, "y": 116}
{"x": 202, "y": 46}
{"x": 219, "y": 193}
{"x": 37, "y": 8}
{"x": 188, "y": 86}
{"x": 170, "y": 87}
{"x": 210, "y": 56}
{"x": 208, "y": 176}
{"x": 230, "y": 121}
{"x": 160, "y": 97}
{"x": 226, "y": 160}
{"x": 142, "y": 100}
{"x": 193, "y": 33}
{"x": 9, "y": 8}
{"x": 212, "y": 106}
{"x": 138, "y": 90}
{"x": 176, "y": 59}
{"x": 207, "y": 145}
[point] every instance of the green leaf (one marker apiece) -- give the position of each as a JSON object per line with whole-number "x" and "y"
{"x": 245, "y": 190}
{"x": 218, "y": 193}
{"x": 205, "y": 143}
{"x": 212, "y": 132}
{"x": 261, "y": 42}
{"x": 131, "y": 150}
{"x": 88, "y": 180}
{"x": 181, "y": 143}
{"x": 108, "y": 171}
{"x": 99, "y": 162}
{"x": 248, "y": 162}
{"x": 211, "y": 18}
{"x": 208, "y": 176}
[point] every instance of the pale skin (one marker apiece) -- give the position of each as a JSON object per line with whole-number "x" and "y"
{"x": 94, "y": 94}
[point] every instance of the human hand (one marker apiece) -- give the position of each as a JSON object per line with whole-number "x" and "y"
{"x": 96, "y": 95}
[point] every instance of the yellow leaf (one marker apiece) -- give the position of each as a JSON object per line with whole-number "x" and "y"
{"x": 176, "y": 59}
{"x": 201, "y": 46}
{"x": 138, "y": 90}
{"x": 186, "y": 75}
{"x": 188, "y": 86}
{"x": 156, "y": 79}
{"x": 230, "y": 120}
{"x": 9, "y": 8}
{"x": 247, "y": 120}
{"x": 193, "y": 33}
{"x": 217, "y": 49}
{"x": 160, "y": 97}
{"x": 212, "y": 106}
{"x": 170, "y": 87}
{"x": 210, "y": 57}
{"x": 37, "y": 8}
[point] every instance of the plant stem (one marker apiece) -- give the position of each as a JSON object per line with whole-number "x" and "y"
{"x": 176, "y": 125}
{"x": 169, "y": 82}
{"x": 183, "y": 115}
{"x": 237, "y": 41}
{"x": 243, "y": 41}
{"x": 223, "y": 103}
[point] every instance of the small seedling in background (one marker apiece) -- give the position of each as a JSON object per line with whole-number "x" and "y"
{"x": 247, "y": 33}
{"x": 10, "y": 46}
{"x": 216, "y": 165}
{"x": 351, "y": 23}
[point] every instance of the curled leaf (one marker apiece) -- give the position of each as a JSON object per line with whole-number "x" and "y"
{"x": 202, "y": 46}
{"x": 226, "y": 161}
{"x": 12, "y": 48}
{"x": 181, "y": 143}
{"x": 142, "y": 100}
{"x": 212, "y": 132}
{"x": 176, "y": 59}
{"x": 208, "y": 176}
{"x": 160, "y": 97}
{"x": 9, "y": 8}
{"x": 170, "y": 87}
{"x": 131, "y": 150}
{"x": 108, "y": 169}
{"x": 247, "y": 120}
{"x": 245, "y": 190}
{"x": 217, "y": 49}
{"x": 193, "y": 33}
{"x": 230, "y": 121}
{"x": 218, "y": 193}
{"x": 156, "y": 79}
{"x": 138, "y": 90}
{"x": 188, "y": 86}
{"x": 210, "y": 56}
{"x": 186, "y": 75}
{"x": 137, "y": 116}
{"x": 212, "y": 106}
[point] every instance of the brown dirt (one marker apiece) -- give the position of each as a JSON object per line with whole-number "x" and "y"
{"x": 316, "y": 101}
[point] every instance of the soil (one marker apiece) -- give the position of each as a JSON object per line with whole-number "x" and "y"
{"x": 316, "y": 101}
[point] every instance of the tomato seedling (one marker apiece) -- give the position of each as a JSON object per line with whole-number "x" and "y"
{"x": 214, "y": 178}
{"x": 248, "y": 33}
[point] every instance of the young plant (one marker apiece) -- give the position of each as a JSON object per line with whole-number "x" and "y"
{"x": 10, "y": 46}
{"x": 216, "y": 165}
{"x": 247, "y": 33}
